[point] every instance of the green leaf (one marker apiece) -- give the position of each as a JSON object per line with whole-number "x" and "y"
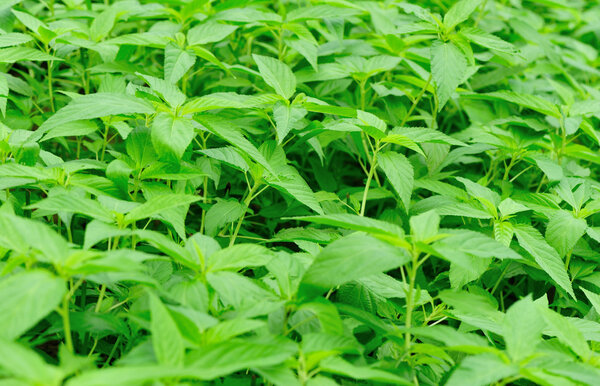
{"x": 459, "y": 12}
{"x": 425, "y": 226}
{"x": 14, "y": 39}
{"x": 566, "y": 332}
{"x": 73, "y": 203}
{"x": 337, "y": 365}
{"x": 229, "y": 155}
{"x": 234, "y": 355}
{"x": 103, "y": 24}
{"x": 277, "y": 75}
{"x": 487, "y": 40}
{"x": 210, "y": 31}
{"x": 351, "y": 258}
{"x": 74, "y": 128}
{"x": 426, "y": 135}
{"x": 27, "y": 298}
{"x": 32, "y": 238}
{"x": 448, "y": 67}
{"x": 171, "y": 135}
{"x": 400, "y": 173}
{"x": 594, "y": 298}
{"x": 26, "y": 365}
{"x": 18, "y": 54}
{"x": 481, "y": 370}
{"x": 286, "y": 117}
{"x": 532, "y": 102}
{"x": 166, "y": 338}
{"x": 157, "y": 204}
{"x": 546, "y": 257}
{"x": 166, "y": 90}
{"x": 564, "y": 230}
{"x": 522, "y": 329}
{"x": 3, "y": 94}
{"x": 95, "y": 106}
{"x": 177, "y": 62}
{"x": 476, "y": 244}
{"x": 221, "y": 213}
{"x": 238, "y": 257}
{"x": 358, "y": 223}
{"x": 221, "y": 128}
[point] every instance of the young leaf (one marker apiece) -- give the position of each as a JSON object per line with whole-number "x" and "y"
{"x": 27, "y": 298}
{"x": 523, "y": 326}
{"x": 171, "y": 135}
{"x": 546, "y": 257}
{"x": 158, "y": 204}
{"x": 564, "y": 230}
{"x": 277, "y": 75}
{"x": 448, "y": 67}
{"x": 350, "y": 258}
{"x": 166, "y": 338}
{"x": 459, "y": 12}
{"x": 286, "y": 117}
{"x": 481, "y": 370}
{"x": 177, "y": 62}
{"x": 400, "y": 173}
{"x": 95, "y": 106}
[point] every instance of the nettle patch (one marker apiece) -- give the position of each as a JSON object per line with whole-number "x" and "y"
{"x": 299, "y": 192}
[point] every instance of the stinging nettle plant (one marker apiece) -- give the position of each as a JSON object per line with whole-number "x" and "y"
{"x": 311, "y": 192}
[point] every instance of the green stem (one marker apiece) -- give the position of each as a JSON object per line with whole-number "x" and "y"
{"x": 363, "y": 92}
{"x": 416, "y": 102}
{"x": 499, "y": 279}
{"x": 247, "y": 201}
{"x": 363, "y": 204}
{"x": 373, "y": 160}
{"x": 100, "y": 298}
{"x": 568, "y": 260}
{"x": 204, "y": 198}
{"x": 50, "y": 90}
{"x": 112, "y": 351}
{"x": 66, "y": 322}
{"x": 412, "y": 274}
{"x": 104, "y": 142}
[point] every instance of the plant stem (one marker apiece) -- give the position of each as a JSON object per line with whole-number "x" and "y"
{"x": 104, "y": 142}
{"x": 416, "y": 102}
{"x": 373, "y": 160}
{"x": 247, "y": 201}
{"x": 67, "y": 323}
{"x": 412, "y": 274}
{"x": 100, "y": 298}
{"x": 50, "y": 90}
{"x": 363, "y": 204}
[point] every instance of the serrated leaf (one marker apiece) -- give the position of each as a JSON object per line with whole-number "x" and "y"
{"x": 158, "y": 204}
{"x": 564, "y": 230}
{"x": 546, "y": 256}
{"x": 171, "y": 135}
{"x": 481, "y": 370}
{"x": 27, "y": 298}
{"x": 286, "y": 116}
{"x": 448, "y": 66}
{"x": 17, "y": 54}
{"x": 166, "y": 338}
{"x": 177, "y": 62}
{"x": 459, "y": 12}
{"x": 350, "y": 258}
{"x": 209, "y": 32}
{"x": 277, "y": 75}
{"x": 487, "y": 40}
{"x": 95, "y": 106}
{"x": 400, "y": 173}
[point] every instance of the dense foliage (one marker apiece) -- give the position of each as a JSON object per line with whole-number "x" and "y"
{"x": 299, "y": 192}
